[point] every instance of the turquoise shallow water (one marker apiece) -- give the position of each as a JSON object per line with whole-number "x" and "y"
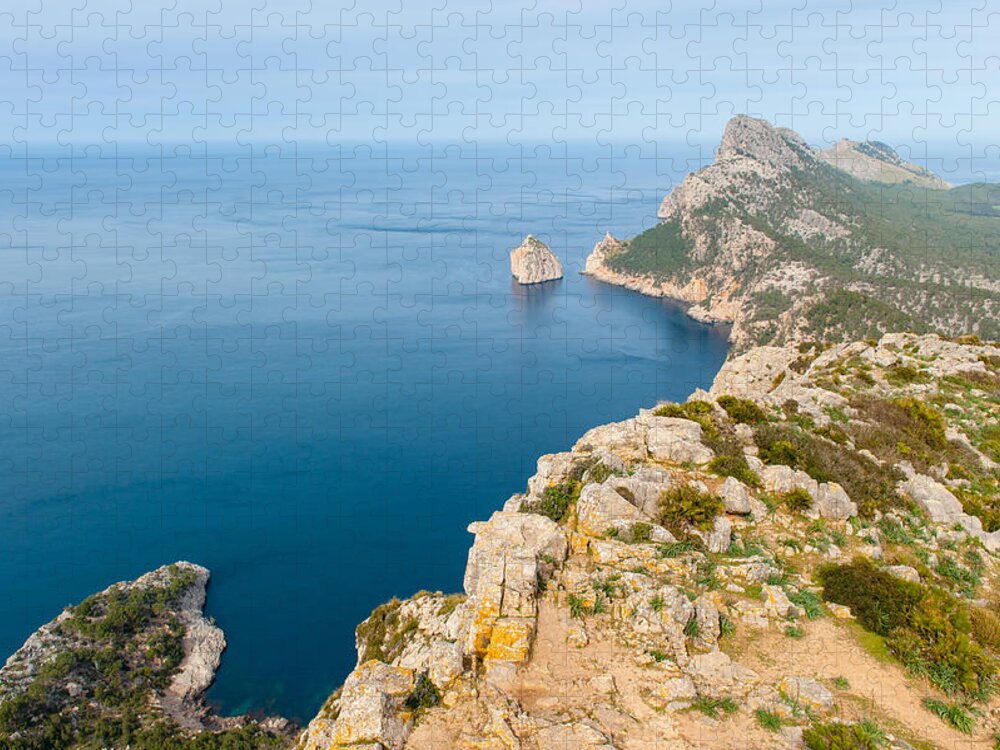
{"x": 308, "y": 371}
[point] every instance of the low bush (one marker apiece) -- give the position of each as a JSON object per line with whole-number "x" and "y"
{"x": 742, "y": 410}
{"x": 927, "y": 629}
{"x": 425, "y": 694}
{"x": 696, "y": 411}
{"x": 796, "y": 500}
{"x": 736, "y": 466}
{"x": 985, "y": 624}
{"x": 686, "y": 506}
{"x": 835, "y": 735}
{"x": 555, "y": 501}
{"x": 870, "y": 485}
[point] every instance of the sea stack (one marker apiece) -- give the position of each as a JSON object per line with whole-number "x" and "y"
{"x": 533, "y": 262}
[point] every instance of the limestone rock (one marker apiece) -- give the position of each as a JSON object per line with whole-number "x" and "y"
{"x": 532, "y": 262}
{"x": 501, "y": 581}
{"x": 807, "y": 693}
{"x": 736, "y": 497}
{"x": 832, "y": 501}
{"x": 721, "y": 535}
{"x": 372, "y": 710}
{"x": 600, "y": 507}
{"x": 677, "y": 440}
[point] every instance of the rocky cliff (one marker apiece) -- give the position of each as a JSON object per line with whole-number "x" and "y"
{"x": 127, "y": 667}
{"x": 789, "y": 244}
{"x": 805, "y": 556}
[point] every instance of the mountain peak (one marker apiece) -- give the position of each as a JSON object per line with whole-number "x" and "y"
{"x": 758, "y": 139}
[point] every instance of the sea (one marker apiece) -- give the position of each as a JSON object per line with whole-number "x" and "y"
{"x": 307, "y": 368}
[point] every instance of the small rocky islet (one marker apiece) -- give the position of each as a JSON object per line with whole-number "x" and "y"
{"x": 533, "y": 262}
{"x": 804, "y": 556}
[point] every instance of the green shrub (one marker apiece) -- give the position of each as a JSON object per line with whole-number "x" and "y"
{"x": 711, "y": 706}
{"x": 796, "y": 500}
{"x": 900, "y": 375}
{"x": 736, "y": 466}
{"x": 425, "y": 694}
{"x": 926, "y": 629}
{"x": 685, "y": 506}
{"x": 880, "y": 602}
{"x": 834, "y": 735}
{"x": 742, "y": 410}
{"x": 985, "y": 624}
{"x": 870, "y": 485}
{"x": 555, "y": 501}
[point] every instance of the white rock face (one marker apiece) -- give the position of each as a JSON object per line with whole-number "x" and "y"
{"x": 532, "y": 262}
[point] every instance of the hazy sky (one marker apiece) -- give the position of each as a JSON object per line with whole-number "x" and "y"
{"x": 636, "y": 71}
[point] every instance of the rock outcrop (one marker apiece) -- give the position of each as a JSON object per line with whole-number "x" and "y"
{"x": 782, "y": 241}
{"x": 607, "y": 605}
{"x": 532, "y": 262}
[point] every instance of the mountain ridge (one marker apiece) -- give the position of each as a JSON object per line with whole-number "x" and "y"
{"x": 788, "y": 247}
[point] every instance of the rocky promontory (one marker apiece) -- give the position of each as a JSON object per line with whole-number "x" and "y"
{"x": 532, "y": 262}
{"x": 127, "y": 667}
{"x": 792, "y": 244}
{"x": 804, "y": 556}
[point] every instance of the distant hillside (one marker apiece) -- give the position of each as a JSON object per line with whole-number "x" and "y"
{"x": 788, "y": 247}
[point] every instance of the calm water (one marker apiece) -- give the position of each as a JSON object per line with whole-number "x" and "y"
{"x": 308, "y": 372}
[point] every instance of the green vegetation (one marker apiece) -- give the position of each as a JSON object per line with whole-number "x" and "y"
{"x": 742, "y": 410}
{"x": 555, "y": 501}
{"x": 834, "y": 735}
{"x": 712, "y": 706}
{"x": 425, "y": 694}
{"x": 662, "y": 250}
{"x": 736, "y": 466}
{"x": 686, "y": 506}
{"x": 768, "y": 720}
{"x": 925, "y": 628}
{"x": 797, "y": 500}
{"x": 119, "y": 647}
{"x": 952, "y": 713}
{"x": 870, "y": 485}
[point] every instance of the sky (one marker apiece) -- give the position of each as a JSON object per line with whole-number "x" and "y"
{"x": 923, "y": 76}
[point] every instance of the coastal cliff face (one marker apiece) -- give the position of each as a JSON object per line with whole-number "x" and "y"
{"x": 790, "y": 244}
{"x": 805, "y": 556}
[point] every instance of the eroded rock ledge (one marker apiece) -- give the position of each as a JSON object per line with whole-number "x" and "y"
{"x": 655, "y": 586}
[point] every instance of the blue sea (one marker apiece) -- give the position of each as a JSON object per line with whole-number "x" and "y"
{"x": 307, "y": 368}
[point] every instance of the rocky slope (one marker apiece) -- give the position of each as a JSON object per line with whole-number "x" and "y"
{"x": 789, "y": 244}
{"x": 532, "y": 262}
{"x": 806, "y": 556}
{"x": 127, "y": 667}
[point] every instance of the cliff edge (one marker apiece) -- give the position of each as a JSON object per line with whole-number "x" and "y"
{"x": 805, "y": 556}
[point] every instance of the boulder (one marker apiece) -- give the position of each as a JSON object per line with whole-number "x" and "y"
{"x": 600, "y": 508}
{"x": 807, "y": 693}
{"x": 372, "y": 710}
{"x": 678, "y": 440}
{"x": 832, "y": 501}
{"x": 736, "y": 497}
{"x": 720, "y": 536}
{"x": 532, "y": 262}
